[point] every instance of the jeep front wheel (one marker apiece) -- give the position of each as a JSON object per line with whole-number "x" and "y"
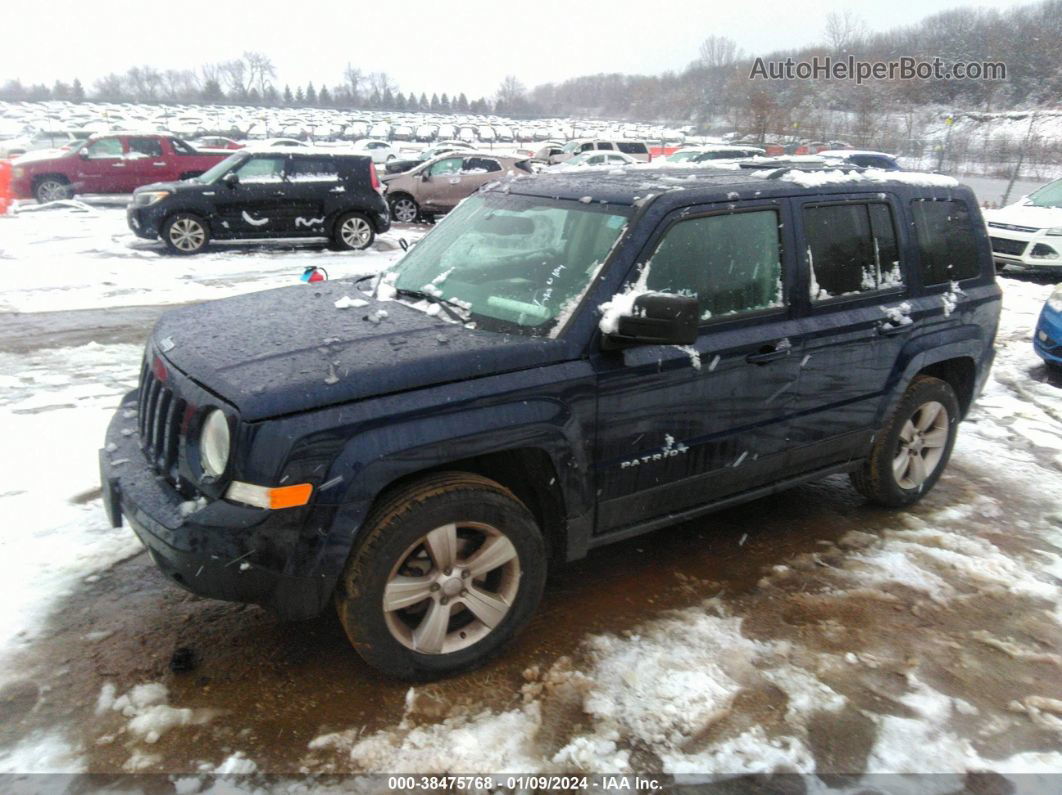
{"x": 445, "y": 573}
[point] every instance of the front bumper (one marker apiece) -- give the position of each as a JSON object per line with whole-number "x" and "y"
{"x": 1016, "y": 248}
{"x": 142, "y": 221}
{"x": 219, "y": 550}
{"x": 1047, "y": 339}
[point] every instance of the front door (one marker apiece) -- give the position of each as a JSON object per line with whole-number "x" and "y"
{"x": 439, "y": 182}
{"x": 682, "y": 426}
{"x": 255, "y": 205}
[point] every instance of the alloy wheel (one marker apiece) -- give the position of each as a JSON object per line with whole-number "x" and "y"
{"x": 187, "y": 234}
{"x": 451, "y": 588}
{"x": 51, "y": 190}
{"x": 356, "y": 232}
{"x": 405, "y": 211}
{"x": 921, "y": 445}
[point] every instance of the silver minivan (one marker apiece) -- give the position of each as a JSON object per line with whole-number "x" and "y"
{"x": 636, "y": 149}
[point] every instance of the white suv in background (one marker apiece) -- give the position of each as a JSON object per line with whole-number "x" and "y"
{"x": 1028, "y": 233}
{"x": 636, "y": 149}
{"x": 379, "y": 151}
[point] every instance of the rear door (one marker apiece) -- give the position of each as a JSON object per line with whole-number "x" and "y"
{"x": 101, "y": 167}
{"x": 857, "y": 318}
{"x": 682, "y": 426}
{"x": 313, "y": 180}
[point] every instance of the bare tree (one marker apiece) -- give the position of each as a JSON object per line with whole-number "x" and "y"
{"x": 234, "y": 75}
{"x": 259, "y": 69}
{"x": 511, "y": 92}
{"x": 844, "y": 30}
{"x": 719, "y": 52}
{"x": 354, "y": 78}
{"x": 380, "y": 83}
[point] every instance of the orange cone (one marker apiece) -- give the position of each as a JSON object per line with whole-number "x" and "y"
{"x": 7, "y": 199}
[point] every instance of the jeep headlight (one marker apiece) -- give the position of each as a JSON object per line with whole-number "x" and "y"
{"x": 214, "y": 443}
{"x": 147, "y": 198}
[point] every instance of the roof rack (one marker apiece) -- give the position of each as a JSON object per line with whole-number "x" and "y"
{"x": 778, "y": 169}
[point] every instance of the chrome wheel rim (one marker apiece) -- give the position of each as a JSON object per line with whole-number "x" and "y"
{"x": 51, "y": 190}
{"x": 921, "y": 445}
{"x": 356, "y": 232}
{"x": 405, "y": 211}
{"x": 451, "y": 588}
{"x": 186, "y": 234}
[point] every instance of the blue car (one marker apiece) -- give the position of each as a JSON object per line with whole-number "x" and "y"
{"x": 1048, "y": 337}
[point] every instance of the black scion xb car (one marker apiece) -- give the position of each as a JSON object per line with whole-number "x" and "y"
{"x": 266, "y": 194}
{"x": 564, "y": 361}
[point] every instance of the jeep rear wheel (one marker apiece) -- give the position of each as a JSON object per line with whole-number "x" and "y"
{"x": 184, "y": 233}
{"x": 909, "y": 454}
{"x": 444, "y": 574}
{"x": 50, "y": 189}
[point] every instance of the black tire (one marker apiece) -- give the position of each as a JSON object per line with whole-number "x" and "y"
{"x": 185, "y": 234}
{"x": 353, "y": 232}
{"x": 406, "y": 205}
{"x": 51, "y": 188}
{"x": 394, "y": 533}
{"x": 877, "y": 479}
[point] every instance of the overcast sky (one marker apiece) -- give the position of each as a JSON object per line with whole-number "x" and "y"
{"x": 468, "y": 45}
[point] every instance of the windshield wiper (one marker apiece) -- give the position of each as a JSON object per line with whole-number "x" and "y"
{"x": 450, "y": 307}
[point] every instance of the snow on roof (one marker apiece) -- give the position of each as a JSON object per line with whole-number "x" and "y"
{"x": 816, "y": 179}
{"x": 849, "y": 152}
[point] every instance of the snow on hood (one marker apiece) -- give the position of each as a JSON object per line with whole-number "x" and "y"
{"x": 39, "y": 154}
{"x": 1026, "y": 215}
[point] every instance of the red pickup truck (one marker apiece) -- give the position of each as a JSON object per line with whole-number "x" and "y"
{"x": 109, "y": 163}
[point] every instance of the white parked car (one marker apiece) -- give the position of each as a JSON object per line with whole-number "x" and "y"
{"x": 379, "y": 151}
{"x": 270, "y": 143}
{"x": 34, "y": 142}
{"x": 1028, "y": 233}
{"x": 595, "y": 160}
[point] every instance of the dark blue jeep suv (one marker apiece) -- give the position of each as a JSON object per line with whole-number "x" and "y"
{"x": 564, "y": 361}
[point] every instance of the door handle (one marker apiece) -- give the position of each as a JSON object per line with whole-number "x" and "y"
{"x": 160, "y": 165}
{"x": 890, "y": 330}
{"x": 118, "y": 165}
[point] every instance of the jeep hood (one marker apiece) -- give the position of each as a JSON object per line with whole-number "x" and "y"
{"x": 290, "y": 349}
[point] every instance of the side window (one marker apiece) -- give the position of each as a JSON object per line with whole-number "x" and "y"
{"x": 480, "y": 165}
{"x": 450, "y": 165}
{"x": 731, "y": 262}
{"x": 181, "y": 148}
{"x": 946, "y": 242}
{"x": 262, "y": 169}
{"x": 313, "y": 169}
{"x": 586, "y": 147}
{"x": 631, "y": 148}
{"x": 105, "y": 147}
{"x": 604, "y": 145}
{"x": 852, "y": 249}
{"x": 144, "y": 147}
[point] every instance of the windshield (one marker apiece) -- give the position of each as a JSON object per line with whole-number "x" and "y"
{"x": 215, "y": 173}
{"x": 1050, "y": 195}
{"x": 516, "y": 264}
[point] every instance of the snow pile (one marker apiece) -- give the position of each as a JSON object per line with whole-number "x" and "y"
{"x": 149, "y": 714}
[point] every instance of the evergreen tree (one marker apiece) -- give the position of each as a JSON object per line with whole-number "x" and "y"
{"x": 411, "y": 101}
{"x": 400, "y": 101}
{"x": 288, "y": 98}
{"x": 444, "y": 102}
{"x": 311, "y": 94}
{"x": 212, "y": 91}
{"x": 423, "y": 105}
{"x": 462, "y": 103}
{"x": 387, "y": 101}
{"x": 299, "y": 98}
{"x": 324, "y": 98}
{"x": 434, "y": 106}
{"x": 77, "y": 91}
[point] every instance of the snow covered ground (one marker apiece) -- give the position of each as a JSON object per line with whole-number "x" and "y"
{"x": 921, "y": 641}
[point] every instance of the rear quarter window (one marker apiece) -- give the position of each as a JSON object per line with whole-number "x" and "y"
{"x": 947, "y": 245}
{"x": 852, "y": 249}
{"x": 632, "y": 147}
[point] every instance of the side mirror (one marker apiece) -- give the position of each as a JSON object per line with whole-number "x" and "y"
{"x": 657, "y": 319}
{"x": 83, "y": 155}
{"x": 425, "y": 177}
{"x": 231, "y": 179}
